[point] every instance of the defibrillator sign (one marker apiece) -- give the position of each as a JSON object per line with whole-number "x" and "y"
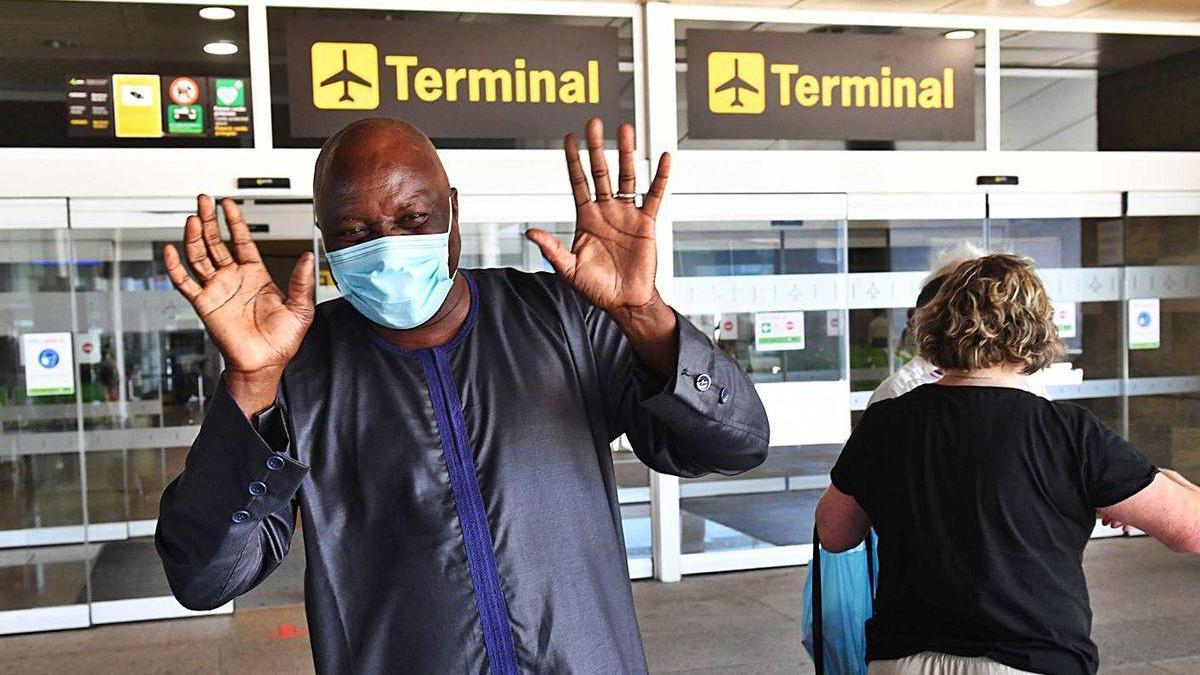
{"x": 453, "y": 80}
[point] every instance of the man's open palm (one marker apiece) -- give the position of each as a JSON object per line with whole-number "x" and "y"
{"x": 612, "y": 260}
{"x": 252, "y": 322}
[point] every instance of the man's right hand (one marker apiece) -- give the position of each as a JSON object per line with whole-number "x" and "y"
{"x": 257, "y": 328}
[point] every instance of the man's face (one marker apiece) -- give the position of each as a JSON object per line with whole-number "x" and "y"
{"x": 376, "y": 189}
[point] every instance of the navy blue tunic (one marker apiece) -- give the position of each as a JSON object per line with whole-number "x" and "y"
{"x": 459, "y": 505}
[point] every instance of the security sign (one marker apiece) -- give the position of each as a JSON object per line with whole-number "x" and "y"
{"x": 1144, "y": 329}
{"x": 49, "y": 364}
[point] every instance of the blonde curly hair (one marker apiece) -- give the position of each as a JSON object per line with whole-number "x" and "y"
{"x": 990, "y": 311}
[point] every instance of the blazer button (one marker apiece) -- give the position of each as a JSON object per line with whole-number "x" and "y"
{"x": 723, "y": 395}
{"x": 241, "y": 516}
{"x": 703, "y": 382}
{"x": 274, "y": 462}
{"x": 258, "y": 488}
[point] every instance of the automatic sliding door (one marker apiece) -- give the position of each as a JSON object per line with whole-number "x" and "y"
{"x": 1162, "y": 251}
{"x": 894, "y": 242}
{"x": 147, "y": 373}
{"x": 1074, "y": 241}
{"x": 43, "y": 554}
{"x": 768, "y": 286}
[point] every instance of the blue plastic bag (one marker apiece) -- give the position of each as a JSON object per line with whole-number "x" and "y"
{"x": 847, "y": 589}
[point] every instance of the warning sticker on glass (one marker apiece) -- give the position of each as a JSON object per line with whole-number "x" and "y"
{"x": 778, "y": 331}
{"x": 49, "y": 364}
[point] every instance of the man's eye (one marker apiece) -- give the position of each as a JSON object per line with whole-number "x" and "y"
{"x": 415, "y": 217}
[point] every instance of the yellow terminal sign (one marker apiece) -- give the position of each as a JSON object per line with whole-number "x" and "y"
{"x": 453, "y": 80}
{"x": 345, "y": 75}
{"x": 863, "y": 91}
{"x": 505, "y": 85}
{"x": 736, "y": 85}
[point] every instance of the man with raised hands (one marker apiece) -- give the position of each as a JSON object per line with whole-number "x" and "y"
{"x": 443, "y": 432}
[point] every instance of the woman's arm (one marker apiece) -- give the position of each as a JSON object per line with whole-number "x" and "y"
{"x": 841, "y": 522}
{"x": 1167, "y": 509}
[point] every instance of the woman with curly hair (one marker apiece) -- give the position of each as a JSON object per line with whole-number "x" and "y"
{"x": 984, "y": 495}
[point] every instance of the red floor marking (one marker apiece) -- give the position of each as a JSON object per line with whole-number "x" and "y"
{"x": 287, "y": 630}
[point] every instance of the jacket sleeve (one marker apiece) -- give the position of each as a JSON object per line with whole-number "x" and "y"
{"x": 705, "y": 418}
{"x": 226, "y": 522}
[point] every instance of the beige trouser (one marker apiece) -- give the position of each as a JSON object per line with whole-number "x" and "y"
{"x": 933, "y": 663}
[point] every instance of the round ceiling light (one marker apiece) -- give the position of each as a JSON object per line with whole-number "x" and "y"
{"x": 960, "y": 35}
{"x": 1051, "y": 3}
{"x": 217, "y": 13}
{"x": 220, "y": 48}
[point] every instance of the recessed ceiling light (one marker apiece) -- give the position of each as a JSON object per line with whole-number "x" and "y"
{"x": 960, "y": 35}
{"x": 217, "y": 13}
{"x": 59, "y": 43}
{"x": 220, "y": 48}
{"x": 1051, "y": 3}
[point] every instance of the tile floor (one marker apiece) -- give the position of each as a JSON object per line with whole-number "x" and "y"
{"x": 1146, "y": 600}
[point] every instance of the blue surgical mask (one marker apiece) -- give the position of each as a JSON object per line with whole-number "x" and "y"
{"x": 396, "y": 281}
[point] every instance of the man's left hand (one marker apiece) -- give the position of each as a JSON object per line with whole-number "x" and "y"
{"x": 612, "y": 260}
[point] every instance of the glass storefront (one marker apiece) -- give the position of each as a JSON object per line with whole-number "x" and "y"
{"x": 87, "y": 464}
{"x": 735, "y": 279}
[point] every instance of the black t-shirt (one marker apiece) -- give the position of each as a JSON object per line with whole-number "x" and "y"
{"x": 983, "y": 499}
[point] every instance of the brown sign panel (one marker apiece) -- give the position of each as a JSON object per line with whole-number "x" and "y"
{"x": 452, "y": 80}
{"x": 743, "y": 84}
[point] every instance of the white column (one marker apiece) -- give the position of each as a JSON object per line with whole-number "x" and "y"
{"x": 991, "y": 88}
{"x": 661, "y": 134}
{"x": 260, "y": 74}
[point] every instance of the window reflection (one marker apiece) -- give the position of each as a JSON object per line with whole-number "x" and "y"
{"x": 908, "y": 245}
{"x": 746, "y": 248}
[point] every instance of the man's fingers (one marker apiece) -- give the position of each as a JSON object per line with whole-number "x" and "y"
{"x": 595, "y": 143}
{"x": 658, "y": 186}
{"x": 239, "y": 233}
{"x": 179, "y": 276}
{"x": 579, "y": 184}
{"x": 626, "y": 179}
{"x": 300, "y": 286}
{"x": 197, "y": 252}
{"x": 212, "y": 232}
{"x": 562, "y": 260}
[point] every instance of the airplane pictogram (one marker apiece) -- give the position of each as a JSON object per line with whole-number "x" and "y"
{"x": 737, "y": 84}
{"x": 346, "y": 77}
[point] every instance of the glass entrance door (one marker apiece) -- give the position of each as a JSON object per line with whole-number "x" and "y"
{"x": 146, "y": 370}
{"x": 43, "y": 549}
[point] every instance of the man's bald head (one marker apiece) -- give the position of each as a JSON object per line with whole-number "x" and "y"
{"x": 381, "y": 177}
{"x": 371, "y": 153}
